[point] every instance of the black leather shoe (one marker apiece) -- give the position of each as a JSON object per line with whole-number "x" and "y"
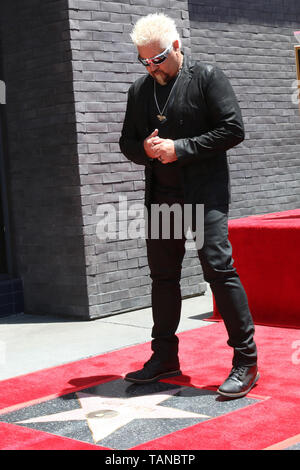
{"x": 239, "y": 382}
{"x": 153, "y": 371}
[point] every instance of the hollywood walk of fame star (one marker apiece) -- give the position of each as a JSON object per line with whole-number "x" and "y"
{"x": 107, "y": 414}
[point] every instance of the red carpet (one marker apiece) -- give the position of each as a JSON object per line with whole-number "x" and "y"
{"x": 271, "y": 420}
{"x": 266, "y": 253}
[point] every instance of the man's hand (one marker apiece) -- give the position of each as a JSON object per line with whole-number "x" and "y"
{"x": 163, "y": 149}
{"x": 149, "y": 146}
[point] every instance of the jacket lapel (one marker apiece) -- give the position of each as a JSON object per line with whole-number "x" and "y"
{"x": 142, "y": 103}
{"x": 177, "y": 99}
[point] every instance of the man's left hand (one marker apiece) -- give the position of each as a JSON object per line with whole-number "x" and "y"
{"x": 164, "y": 149}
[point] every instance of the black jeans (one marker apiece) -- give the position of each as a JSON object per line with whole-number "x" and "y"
{"x": 165, "y": 258}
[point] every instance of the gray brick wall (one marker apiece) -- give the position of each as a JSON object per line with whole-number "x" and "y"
{"x": 253, "y": 43}
{"x": 42, "y": 160}
{"x": 254, "y": 47}
{"x": 68, "y": 66}
{"x": 104, "y": 65}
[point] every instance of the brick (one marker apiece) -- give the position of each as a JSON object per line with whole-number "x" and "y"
{"x": 251, "y": 42}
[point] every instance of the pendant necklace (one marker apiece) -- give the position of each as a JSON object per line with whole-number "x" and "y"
{"x": 161, "y": 117}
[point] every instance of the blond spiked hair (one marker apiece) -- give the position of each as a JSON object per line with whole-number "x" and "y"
{"x": 155, "y": 27}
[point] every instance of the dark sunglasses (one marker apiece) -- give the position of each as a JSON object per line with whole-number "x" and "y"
{"x": 158, "y": 59}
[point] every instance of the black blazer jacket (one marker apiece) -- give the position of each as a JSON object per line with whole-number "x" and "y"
{"x": 205, "y": 121}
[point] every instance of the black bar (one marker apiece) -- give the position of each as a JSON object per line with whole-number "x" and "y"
{"x": 4, "y": 199}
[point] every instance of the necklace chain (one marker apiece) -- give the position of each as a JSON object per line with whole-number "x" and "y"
{"x": 161, "y": 116}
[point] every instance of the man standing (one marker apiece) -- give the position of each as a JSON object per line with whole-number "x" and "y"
{"x": 181, "y": 118}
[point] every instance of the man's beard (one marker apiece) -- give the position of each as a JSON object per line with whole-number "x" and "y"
{"x": 162, "y": 78}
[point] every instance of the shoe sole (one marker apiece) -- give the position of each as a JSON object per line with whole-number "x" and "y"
{"x": 241, "y": 394}
{"x": 166, "y": 375}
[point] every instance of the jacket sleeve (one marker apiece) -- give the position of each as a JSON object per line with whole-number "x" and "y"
{"x": 227, "y": 129}
{"x": 131, "y": 146}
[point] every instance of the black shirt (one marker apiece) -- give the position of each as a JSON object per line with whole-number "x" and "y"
{"x": 166, "y": 177}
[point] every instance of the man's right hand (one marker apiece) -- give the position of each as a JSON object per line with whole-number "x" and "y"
{"x": 148, "y": 144}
